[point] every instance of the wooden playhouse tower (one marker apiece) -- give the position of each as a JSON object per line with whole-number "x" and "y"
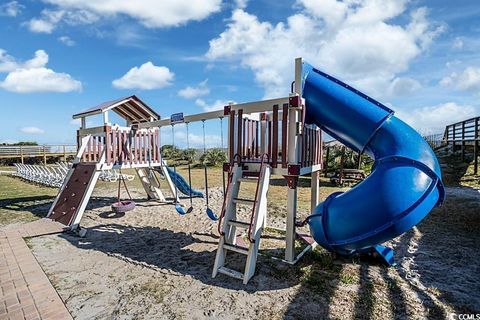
{"x": 265, "y": 138}
{"x": 111, "y": 147}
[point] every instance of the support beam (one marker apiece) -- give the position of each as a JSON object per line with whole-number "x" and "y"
{"x": 293, "y": 159}
{"x": 105, "y": 117}
{"x": 315, "y": 190}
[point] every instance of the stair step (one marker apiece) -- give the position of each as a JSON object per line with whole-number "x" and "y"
{"x": 236, "y": 248}
{"x": 231, "y": 273}
{"x": 243, "y": 201}
{"x": 251, "y": 174}
{"x": 239, "y": 224}
{"x": 248, "y": 180}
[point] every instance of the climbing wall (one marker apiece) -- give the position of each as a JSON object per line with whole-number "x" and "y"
{"x": 70, "y": 198}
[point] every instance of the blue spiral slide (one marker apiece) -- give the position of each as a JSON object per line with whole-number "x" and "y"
{"x": 405, "y": 183}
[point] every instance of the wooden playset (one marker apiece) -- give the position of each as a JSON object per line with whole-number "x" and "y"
{"x": 265, "y": 138}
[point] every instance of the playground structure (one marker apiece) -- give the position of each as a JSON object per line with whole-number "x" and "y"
{"x": 283, "y": 137}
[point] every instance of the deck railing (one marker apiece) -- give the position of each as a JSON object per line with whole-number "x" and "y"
{"x": 465, "y": 133}
{"x": 44, "y": 151}
{"x": 123, "y": 146}
{"x": 269, "y": 134}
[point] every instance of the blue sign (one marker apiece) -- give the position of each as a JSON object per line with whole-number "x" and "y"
{"x": 176, "y": 118}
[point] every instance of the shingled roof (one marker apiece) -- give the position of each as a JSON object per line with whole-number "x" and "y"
{"x": 130, "y": 108}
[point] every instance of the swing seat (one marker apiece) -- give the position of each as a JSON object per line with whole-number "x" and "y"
{"x": 123, "y": 206}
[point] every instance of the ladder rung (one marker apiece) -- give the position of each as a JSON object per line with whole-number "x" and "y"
{"x": 243, "y": 201}
{"x": 239, "y": 224}
{"x": 251, "y": 174}
{"x": 231, "y": 273}
{"x": 236, "y": 248}
{"x": 248, "y": 180}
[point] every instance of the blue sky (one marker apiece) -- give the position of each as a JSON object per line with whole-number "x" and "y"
{"x": 58, "y": 57}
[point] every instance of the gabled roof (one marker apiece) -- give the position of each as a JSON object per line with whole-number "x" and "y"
{"x": 130, "y": 108}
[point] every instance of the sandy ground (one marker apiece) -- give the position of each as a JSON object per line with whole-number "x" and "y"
{"x": 154, "y": 264}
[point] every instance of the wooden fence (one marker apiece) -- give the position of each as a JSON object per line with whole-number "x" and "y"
{"x": 44, "y": 151}
{"x": 465, "y": 134}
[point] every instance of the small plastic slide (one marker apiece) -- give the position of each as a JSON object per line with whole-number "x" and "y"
{"x": 182, "y": 184}
{"x": 405, "y": 183}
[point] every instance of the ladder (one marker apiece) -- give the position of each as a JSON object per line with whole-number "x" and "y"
{"x": 228, "y": 224}
{"x": 150, "y": 183}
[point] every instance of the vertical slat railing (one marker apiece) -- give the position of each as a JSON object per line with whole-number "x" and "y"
{"x": 275, "y": 137}
{"x": 284, "y": 134}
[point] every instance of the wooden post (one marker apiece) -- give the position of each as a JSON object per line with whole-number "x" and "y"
{"x": 284, "y": 135}
{"x": 44, "y": 155}
{"x": 315, "y": 190}
{"x": 263, "y": 134}
{"x": 327, "y": 155}
{"x": 293, "y": 158}
{"x": 475, "y": 147}
{"x": 275, "y": 137}
{"x": 359, "y": 161}
{"x": 453, "y": 137}
{"x": 231, "y": 136}
{"x": 342, "y": 159}
{"x": 240, "y": 133}
{"x": 463, "y": 140}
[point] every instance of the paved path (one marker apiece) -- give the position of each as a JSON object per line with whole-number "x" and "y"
{"x": 26, "y": 292}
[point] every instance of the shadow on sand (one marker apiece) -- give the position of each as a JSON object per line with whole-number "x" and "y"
{"x": 441, "y": 251}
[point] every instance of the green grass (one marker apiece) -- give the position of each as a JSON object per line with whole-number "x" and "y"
{"x": 21, "y": 201}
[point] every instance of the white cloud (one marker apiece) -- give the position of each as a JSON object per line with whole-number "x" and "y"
{"x": 195, "y": 92}
{"x": 241, "y": 4}
{"x": 66, "y": 40}
{"x": 433, "y": 119}
{"x": 49, "y": 19}
{"x": 217, "y": 105}
{"x": 458, "y": 43}
{"x": 468, "y": 80}
{"x": 356, "y": 41}
{"x": 46, "y": 23}
{"x": 150, "y": 13}
{"x": 403, "y": 86}
{"x": 33, "y": 75}
{"x": 146, "y": 77}
{"x": 11, "y": 9}
{"x": 32, "y": 130}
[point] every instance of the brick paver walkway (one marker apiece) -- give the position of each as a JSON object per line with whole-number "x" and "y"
{"x": 26, "y": 292}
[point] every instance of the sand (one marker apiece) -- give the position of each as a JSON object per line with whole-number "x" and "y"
{"x": 152, "y": 263}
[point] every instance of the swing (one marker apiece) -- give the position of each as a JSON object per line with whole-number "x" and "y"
{"x": 123, "y": 206}
{"x": 189, "y": 174}
{"x": 178, "y": 206}
{"x": 209, "y": 211}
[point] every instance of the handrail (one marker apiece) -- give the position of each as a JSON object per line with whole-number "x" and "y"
{"x": 466, "y": 130}
{"x": 256, "y": 196}
{"x": 460, "y": 133}
{"x": 224, "y": 205}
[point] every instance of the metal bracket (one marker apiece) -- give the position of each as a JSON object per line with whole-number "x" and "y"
{"x": 293, "y": 171}
{"x": 226, "y": 167}
{"x": 295, "y": 101}
{"x": 226, "y": 110}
